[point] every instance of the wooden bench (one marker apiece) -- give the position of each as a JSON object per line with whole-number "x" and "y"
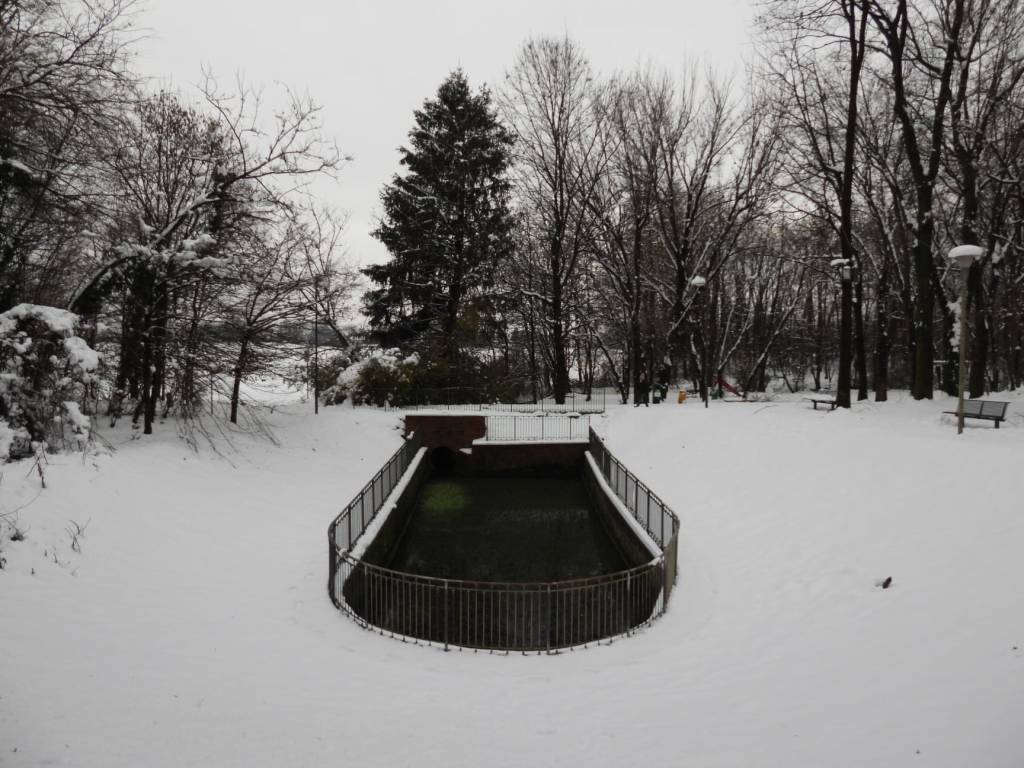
{"x": 816, "y": 400}
{"x": 990, "y": 410}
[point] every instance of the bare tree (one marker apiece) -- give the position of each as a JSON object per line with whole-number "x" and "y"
{"x": 63, "y": 81}
{"x": 817, "y": 45}
{"x": 191, "y": 184}
{"x": 990, "y": 68}
{"x": 548, "y": 100}
{"x": 921, "y": 46}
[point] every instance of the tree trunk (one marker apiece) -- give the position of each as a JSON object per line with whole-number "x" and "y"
{"x": 239, "y": 372}
{"x": 924, "y": 309}
{"x": 882, "y": 337}
{"x": 979, "y": 336}
{"x": 859, "y": 344}
{"x": 560, "y": 376}
{"x": 845, "y": 341}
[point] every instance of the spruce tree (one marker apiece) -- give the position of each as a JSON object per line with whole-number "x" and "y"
{"x": 446, "y": 223}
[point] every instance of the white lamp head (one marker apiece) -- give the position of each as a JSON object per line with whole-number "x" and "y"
{"x": 964, "y": 255}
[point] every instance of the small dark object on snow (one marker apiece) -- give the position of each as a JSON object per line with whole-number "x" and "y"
{"x": 887, "y": 583}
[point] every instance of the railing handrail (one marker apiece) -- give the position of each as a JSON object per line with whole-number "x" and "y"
{"x": 406, "y": 447}
{"x": 507, "y": 586}
{"x": 552, "y": 426}
{"x": 633, "y": 509}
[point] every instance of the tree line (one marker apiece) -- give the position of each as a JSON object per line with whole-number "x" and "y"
{"x": 628, "y": 224}
{"x": 566, "y": 229}
{"x": 178, "y": 232}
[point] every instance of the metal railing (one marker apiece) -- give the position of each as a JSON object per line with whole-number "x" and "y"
{"x": 511, "y": 617}
{"x": 525, "y": 428}
{"x": 347, "y": 527}
{"x": 468, "y": 399}
{"x": 646, "y": 507}
{"x": 501, "y": 616}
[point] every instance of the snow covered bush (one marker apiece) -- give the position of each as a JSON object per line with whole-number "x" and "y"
{"x": 330, "y": 370}
{"x": 45, "y": 371}
{"x": 386, "y": 376}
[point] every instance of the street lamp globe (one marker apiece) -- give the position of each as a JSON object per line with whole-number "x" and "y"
{"x": 964, "y": 255}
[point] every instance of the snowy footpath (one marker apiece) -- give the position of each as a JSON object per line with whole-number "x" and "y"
{"x": 189, "y": 624}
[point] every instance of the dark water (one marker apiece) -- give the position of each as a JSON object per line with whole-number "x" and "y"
{"x": 505, "y": 529}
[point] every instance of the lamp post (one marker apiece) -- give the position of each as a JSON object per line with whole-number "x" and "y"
{"x": 316, "y": 344}
{"x": 698, "y": 283}
{"x": 964, "y": 256}
{"x": 845, "y": 332}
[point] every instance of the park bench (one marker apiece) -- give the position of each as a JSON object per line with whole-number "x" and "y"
{"x": 990, "y": 410}
{"x": 822, "y": 399}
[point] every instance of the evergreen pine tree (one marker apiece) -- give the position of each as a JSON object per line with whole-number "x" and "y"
{"x": 446, "y": 222}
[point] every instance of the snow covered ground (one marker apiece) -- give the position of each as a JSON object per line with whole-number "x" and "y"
{"x": 194, "y": 628}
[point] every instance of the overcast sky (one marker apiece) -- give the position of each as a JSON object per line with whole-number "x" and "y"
{"x": 370, "y": 64}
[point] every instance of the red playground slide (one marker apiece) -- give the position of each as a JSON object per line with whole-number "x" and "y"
{"x": 729, "y": 388}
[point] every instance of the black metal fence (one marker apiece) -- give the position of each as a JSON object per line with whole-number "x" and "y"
{"x": 470, "y": 399}
{"x": 526, "y": 617}
{"x": 548, "y": 427}
{"x": 346, "y": 528}
{"x": 643, "y": 504}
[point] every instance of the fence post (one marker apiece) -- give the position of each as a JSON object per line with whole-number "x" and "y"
{"x": 551, "y": 621}
{"x": 666, "y": 578}
{"x": 446, "y": 614}
{"x": 332, "y": 560}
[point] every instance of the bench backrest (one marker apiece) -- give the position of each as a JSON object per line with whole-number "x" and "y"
{"x": 993, "y": 408}
{"x": 973, "y": 407}
{"x": 989, "y": 409}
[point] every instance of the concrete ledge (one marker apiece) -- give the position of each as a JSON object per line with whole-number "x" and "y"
{"x": 381, "y": 536}
{"x": 633, "y": 541}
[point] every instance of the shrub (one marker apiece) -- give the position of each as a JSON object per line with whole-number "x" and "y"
{"x": 45, "y": 371}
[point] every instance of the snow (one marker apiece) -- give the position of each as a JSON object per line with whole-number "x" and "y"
{"x": 966, "y": 251}
{"x": 202, "y": 243}
{"x": 954, "y": 336}
{"x": 57, "y": 320}
{"x": 80, "y": 423}
{"x": 390, "y": 359}
{"x": 17, "y": 165}
{"x": 7, "y": 437}
{"x": 81, "y": 354}
{"x": 194, "y": 626}
{"x": 998, "y": 253}
{"x": 698, "y": 281}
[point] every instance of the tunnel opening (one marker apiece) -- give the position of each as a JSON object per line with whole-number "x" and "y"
{"x": 442, "y": 461}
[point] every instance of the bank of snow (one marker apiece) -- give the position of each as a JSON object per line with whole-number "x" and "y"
{"x": 194, "y": 627}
